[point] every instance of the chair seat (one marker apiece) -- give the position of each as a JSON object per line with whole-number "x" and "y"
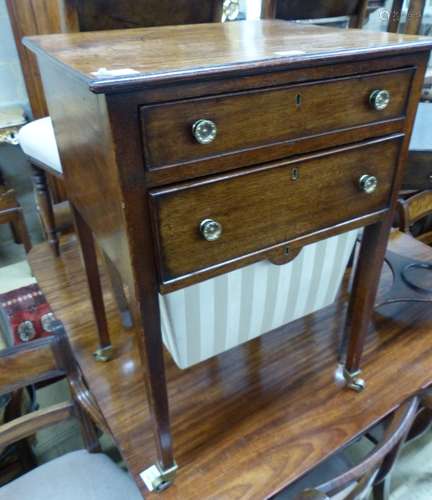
{"x": 37, "y": 140}
{"x": 76, "y": 475}
{"x": 421, "y": 139}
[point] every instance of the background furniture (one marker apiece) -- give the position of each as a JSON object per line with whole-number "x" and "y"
{"x": 76, "y": 474}
{"x": 338, "y": 478}
{"x": 11, "y": 213}
{"x": 418, "y": 174}
{"x": 162, "y": 225}
{"x": 35, "y": 17}
{"x": 11, "y": 119}
{"x": 275, "y": 394}
{"x": 17, "y": 458}
{"x": 414, "y": 209}
{"x": 289, "y": 10}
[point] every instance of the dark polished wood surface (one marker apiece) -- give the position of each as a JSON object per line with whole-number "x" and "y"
{"x": 323, "y": 194}
{"x": 38, "y": 17}
{"x": 175, "y": 53}
{"x": 98, "y": 15}
{"x": 102, "y": 153}
{"x": 251, "y": 420}
{"x": 269, "y": 116}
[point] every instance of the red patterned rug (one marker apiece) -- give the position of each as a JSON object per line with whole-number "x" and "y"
{"x": 24, "y": 315}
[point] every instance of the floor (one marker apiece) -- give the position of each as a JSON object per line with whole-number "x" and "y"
{"x": 412, "y": 478}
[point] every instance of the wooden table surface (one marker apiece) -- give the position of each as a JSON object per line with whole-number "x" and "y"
{"x": 253, "y": 419}
{"x": 140, "y": 56}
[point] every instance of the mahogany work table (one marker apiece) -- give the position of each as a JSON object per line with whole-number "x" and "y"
{"x": 191, "y": 151}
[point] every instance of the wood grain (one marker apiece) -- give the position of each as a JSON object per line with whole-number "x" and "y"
{"x": 250, "y": 421}
{"x": 101, "y": 149}
{"x": 33, "y": 17}
{"x": 28, "y": 425}
{"x": 27, "y": 364}
{"x": 114, "y": 14}
{"x": 182, "y": 53}
{"x": 268, "y": 116}
{"x": 325, "y": 194}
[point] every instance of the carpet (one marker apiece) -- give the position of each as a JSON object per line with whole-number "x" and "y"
{"x": 24, "y": 315}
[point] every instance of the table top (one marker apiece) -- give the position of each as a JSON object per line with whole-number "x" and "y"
{"x": 249, "y": 421}
{"x": 154, "y": 55}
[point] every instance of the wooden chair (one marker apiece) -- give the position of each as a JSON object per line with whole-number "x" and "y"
{"x": 421, "y": 425}
{"x": 11, "y": 213}
{"x": 290, "y": 10}
{"x": 17, "y": 458}
{"x": 414, "y": 209}
{"x": 79, "y": 474}
{"x": 337, "y": 478}
{"x": 36, "y": 17}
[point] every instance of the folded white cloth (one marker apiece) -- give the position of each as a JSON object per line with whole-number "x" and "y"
{"x": 37, "y": 140}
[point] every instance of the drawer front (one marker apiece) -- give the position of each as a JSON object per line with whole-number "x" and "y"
{"x": 249, "y": 120}
{"x": 269, "y": 205}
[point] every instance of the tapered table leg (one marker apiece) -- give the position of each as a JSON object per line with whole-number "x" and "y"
{"x": 45, "y": 208}
{"x": 143, "y": 288}
{"x": 145, "y": 310}
{"x": 89, "y": 257}
{"x": 364, "y": 289}
{"x": 118, "y": 291}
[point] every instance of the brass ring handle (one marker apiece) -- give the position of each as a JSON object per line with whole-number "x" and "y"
{"x": 368, "y": 183}
{"x": 210, "y": 229}
{"x": 379, "y": 99}
{"x": 204, "y": 131}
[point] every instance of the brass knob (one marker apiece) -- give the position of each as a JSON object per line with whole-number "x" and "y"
{"x": 211, "y": 229}
{"x": 368, "y": 183}
{"x": 204, "y": 131}
{"x": 379, "y": 99}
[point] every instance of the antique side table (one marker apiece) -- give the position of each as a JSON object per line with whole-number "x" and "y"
{"x": 191, "y": 151}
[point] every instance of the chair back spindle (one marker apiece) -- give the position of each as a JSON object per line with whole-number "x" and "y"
{"x": 376, "y": 465}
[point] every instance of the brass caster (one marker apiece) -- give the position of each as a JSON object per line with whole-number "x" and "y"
{"x": 353, "y": 381}
{"x": 158, "y": 480}
{"x": 103, "y": 354}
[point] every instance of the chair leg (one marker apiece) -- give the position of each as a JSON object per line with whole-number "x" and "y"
{"x": 118, "y": 292}
{"x": 19, "y": 230}
{"x": 24, "y": 451}
{"x": 45, "y": 208}
{"x": 15, "y": 234}
{"x": 88, "y": 431}
{"x": 89, "y": 257}
{"x": 381, "y": 491}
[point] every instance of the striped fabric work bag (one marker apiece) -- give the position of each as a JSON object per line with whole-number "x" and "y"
{"x": 210, "y": 317}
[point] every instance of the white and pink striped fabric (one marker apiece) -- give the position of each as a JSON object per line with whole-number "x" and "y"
{"x": 205, "y": 319}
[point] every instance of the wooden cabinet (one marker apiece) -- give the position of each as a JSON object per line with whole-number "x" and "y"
{"x": 191, "y": 151}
